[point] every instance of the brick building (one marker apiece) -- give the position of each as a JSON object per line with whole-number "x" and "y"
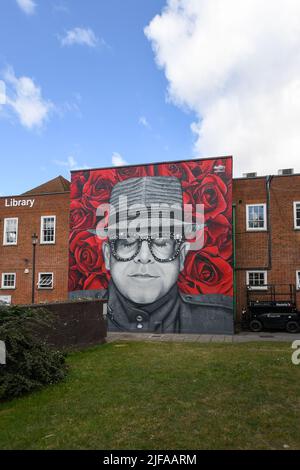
{"x": 267, "y": 238}
{"x": 43, "y": 211}
{"x": 267, "y": 233}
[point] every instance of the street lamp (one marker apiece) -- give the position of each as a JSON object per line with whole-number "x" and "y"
{"x": 34, "y": 240}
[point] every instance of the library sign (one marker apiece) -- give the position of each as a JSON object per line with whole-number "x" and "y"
{"x": 19, "y": 202}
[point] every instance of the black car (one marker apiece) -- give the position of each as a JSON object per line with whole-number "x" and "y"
{"x": 273, "y": 308}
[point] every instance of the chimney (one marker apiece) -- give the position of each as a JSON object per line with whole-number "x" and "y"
{"x": 250, "y": 175}
{"x": 286, "y": 171}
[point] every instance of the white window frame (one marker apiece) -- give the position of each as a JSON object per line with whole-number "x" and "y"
{"x": 42, "y": 241}
{"x": 259, "y": 271}
{"x": 298, "y": 279}
{"x": 5, "y": 243}
{"x": 46, "y": 287}
{"x": 256, "y": 229}
{"x": 296, "y": 227}
{"x": 9, "y": 287}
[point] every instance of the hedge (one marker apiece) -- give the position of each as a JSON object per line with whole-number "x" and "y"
{"x": 30, "y": 363}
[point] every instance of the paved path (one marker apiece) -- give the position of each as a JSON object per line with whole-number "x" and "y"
{"x": 243, "y": 337}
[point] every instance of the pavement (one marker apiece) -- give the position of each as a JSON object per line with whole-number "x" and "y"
{"x": 242, "y": 337}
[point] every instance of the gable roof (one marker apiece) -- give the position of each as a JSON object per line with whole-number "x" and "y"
{"x": 56, "y": 185}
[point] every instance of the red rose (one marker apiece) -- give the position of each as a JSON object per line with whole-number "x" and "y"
{"x": 96, "y": 282}
{"x": 226, "y": 174}
{"x": 87, "y": 252}
{"x": 77, "y": 183}
{"x": 206, "y": 273}
{"x": 150, "y": 170}
{"x": 218, "y": 233}
{"x": 98, "y": 188}
{"x": 187, "y": 197}
{"x": 228, "y": 212}
{"x": 80, "y": 217}
{"x": 180, "y": 170}
{"x": 211, "y": 192}
{"x": 75, "y": 280}
{"x": 127, "y": 172}
{"x": 202, "y": 168}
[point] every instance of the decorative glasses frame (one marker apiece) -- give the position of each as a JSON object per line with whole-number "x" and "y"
{"x": 149, "y": 240}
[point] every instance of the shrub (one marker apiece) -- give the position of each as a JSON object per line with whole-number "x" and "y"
{"x": 30, "y": 363}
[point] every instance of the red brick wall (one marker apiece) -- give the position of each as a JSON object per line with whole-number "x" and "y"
{"x": 252, "y": 247}
{"x": 49, "y": 258}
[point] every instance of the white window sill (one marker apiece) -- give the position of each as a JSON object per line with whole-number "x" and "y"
{"x": 256, "y": 288}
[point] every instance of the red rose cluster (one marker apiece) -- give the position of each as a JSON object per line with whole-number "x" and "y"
{"x": 207, "y": 182}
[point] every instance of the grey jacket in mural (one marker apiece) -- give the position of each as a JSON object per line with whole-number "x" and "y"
{"x": 173, "y": 313}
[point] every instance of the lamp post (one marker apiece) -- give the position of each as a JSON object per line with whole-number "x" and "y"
{"x": 34, "y": 240}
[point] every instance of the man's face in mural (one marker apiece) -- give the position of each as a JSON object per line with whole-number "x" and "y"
{"x": 143, "y": 279}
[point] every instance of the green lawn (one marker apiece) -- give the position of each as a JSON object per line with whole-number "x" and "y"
{"x": 142, "y": 395}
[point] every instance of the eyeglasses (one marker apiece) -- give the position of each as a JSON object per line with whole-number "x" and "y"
{"x": 163, "y": 250}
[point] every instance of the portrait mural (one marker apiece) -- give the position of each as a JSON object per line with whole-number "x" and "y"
{"x": 155, "y": 240}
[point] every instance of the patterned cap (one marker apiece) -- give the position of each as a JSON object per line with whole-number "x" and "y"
{"x": 147, "y": 191}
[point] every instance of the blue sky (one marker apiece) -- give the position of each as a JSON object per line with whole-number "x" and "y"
{"x": 88, "y": 86}
{"x": 101, "y": 98}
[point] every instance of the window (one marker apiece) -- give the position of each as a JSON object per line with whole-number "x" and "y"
{"x": 297, "y": 215}
{"x": 298, "y": 280}
{"x": 10, "y": 231}
{"x": 8, "y": 281}
{"x": 48, "y": 229}
{"x": 45, "y": 281}
{"x": 257, "y": 279}
{"x": 256, "y": 216}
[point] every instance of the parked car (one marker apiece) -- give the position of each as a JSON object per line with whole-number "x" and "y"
{"x": 273, "y": 308}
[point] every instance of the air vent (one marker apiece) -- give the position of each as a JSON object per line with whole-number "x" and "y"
{"x": 249, "y": 175}
{"x": 286, "y": 171}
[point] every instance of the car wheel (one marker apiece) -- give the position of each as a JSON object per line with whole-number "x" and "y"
{"x": 292, "y": 327}
{"x": 256, "y": 325}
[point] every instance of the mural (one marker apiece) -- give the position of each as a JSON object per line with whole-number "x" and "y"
{"x": 155, "y": 280}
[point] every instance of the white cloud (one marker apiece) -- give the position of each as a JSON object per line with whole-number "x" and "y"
{"x": 118, "y": 160}
{"x": 81, "y": 36}
{"x": 236, "y": 64}
{"x": 25, "y": 98}
{"x": 70, "y": 164}
{"x": 143, "y": 121}
{"x": 2, "y": 92}
{"x": 28, "y": 6}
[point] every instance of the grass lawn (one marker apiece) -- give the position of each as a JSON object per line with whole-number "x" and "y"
{"x": 143, "y": 395}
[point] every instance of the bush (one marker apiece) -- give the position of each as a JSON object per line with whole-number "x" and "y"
{"x": 30, "y": 363}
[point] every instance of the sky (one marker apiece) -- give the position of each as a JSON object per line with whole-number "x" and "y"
{"x": 104, "y": 83}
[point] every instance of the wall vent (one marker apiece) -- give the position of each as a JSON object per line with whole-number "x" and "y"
{"x": 286, "y": 171}
{"x": 250, "y": 175}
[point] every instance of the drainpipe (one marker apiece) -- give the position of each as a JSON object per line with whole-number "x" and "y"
{"x": 269, "y": 228}
{"x": 234, "y": 261}
{"x": 268, "y": 186}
